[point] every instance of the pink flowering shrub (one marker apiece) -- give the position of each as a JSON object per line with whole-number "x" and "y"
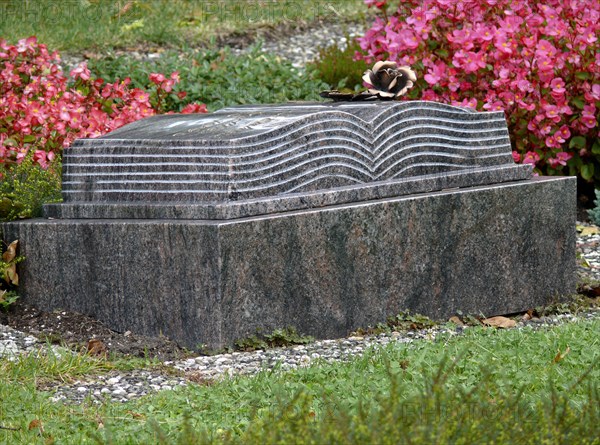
{"x": 43, "y": 111}
{"x": 537, "y": 61}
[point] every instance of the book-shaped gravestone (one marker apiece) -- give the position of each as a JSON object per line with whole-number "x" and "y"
{"x": 323, "y": 217}
{"x": 254, "y": 160}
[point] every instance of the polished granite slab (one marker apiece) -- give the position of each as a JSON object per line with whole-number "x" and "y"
{"x": 323, "y": 217}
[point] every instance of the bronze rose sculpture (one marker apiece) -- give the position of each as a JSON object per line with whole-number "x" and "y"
{"x": 387, "y": 81}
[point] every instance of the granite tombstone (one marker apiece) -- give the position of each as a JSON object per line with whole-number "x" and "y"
{"x": 323, "y": 217}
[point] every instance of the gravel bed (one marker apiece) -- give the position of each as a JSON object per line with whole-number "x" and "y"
{"x": 14, "y": 342}
{"x": 588, "y": 247}
{"x": 114, "y": 386}
{"x": 206, "y": 368}
{"x": 125, "y": 386}
{"x": 299, "y": 48}
{"x": 304, "y": 47}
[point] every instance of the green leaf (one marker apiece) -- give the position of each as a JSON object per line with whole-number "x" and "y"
{"x": 432, "y": 44}
{"x": 578, "y": 102}
{"x": 596, "y": 148}
{"x": 577, "y": 142}
{"x": 587, "y": 171}
{"x": 29, "y": 138}
{"x": 582, "y": 75}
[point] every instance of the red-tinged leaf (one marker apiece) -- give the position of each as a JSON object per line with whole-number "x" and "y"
{"x": 499, "y": 322}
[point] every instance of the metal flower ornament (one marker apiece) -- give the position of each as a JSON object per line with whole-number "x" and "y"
{"x": 387, "y": 82}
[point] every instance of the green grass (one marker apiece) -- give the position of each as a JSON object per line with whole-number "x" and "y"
{"x": 77, "y": 25}
{"x": 487, "y": 386}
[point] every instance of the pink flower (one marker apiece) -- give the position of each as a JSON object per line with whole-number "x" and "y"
{"x": 558, "y": 85}
{"x": 43, "y": 112}
{"x": 81, "y": 72}
{"x": 194, "y": 108}
{"x": 560, "y": 159}
{"x": 436, "y": 73}
{"x": 474, "y": 61}
{"x": 531, "y": 157}
{"x": 27, "y": 44}
{"x": 564, "y": 132}
{"x": 380, "y": 4}
{"x": 408, "y": 39}
{"x": 157, "y": 78}
{"x": 545, "y": 49}
{"x": 503, "y": 44}
{"x": 494, "y": 106}
{"x": 552, "y": 112}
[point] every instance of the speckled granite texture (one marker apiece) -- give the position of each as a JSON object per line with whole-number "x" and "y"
{"x": 324, "y": 217}
{"x": 229, "y": 209}
{"x": 492, "y": 249}
{"x": 249, "y": 152}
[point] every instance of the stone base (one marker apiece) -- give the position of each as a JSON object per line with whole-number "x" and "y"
{"x": 492, "y": 249}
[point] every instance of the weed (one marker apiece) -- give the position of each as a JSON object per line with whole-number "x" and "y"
{"x": 594, "y": 213}
{"x": 26, "y": 186}
{"x": 404, "y": 321}
{"x": 278, "y": 338}
{"x": 337, "y": 67}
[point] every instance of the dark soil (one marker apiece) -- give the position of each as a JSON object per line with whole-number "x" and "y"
{"x": 77, "y": 330}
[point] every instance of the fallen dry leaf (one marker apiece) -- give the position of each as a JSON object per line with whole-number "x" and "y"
{"x": 96, "y": 347}
{"x": 135, "y": 415}
{"x": 499, "y": 322}
{"x": 199, "y": 378}
{"x": 590, "y": 291}
{"x": 561, "y": 355}
{"x": 593, "y": 230}
{"x": 36, "y": 423}
{"x": 11, "y": 251}
{"x": 124, "y": 9}
{"x": 10, "y": 275}
{"x": 457, "y": 321}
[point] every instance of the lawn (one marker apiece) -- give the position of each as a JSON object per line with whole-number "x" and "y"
{"x": 485, "y": 386}
{"x": 79, "y": 25}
